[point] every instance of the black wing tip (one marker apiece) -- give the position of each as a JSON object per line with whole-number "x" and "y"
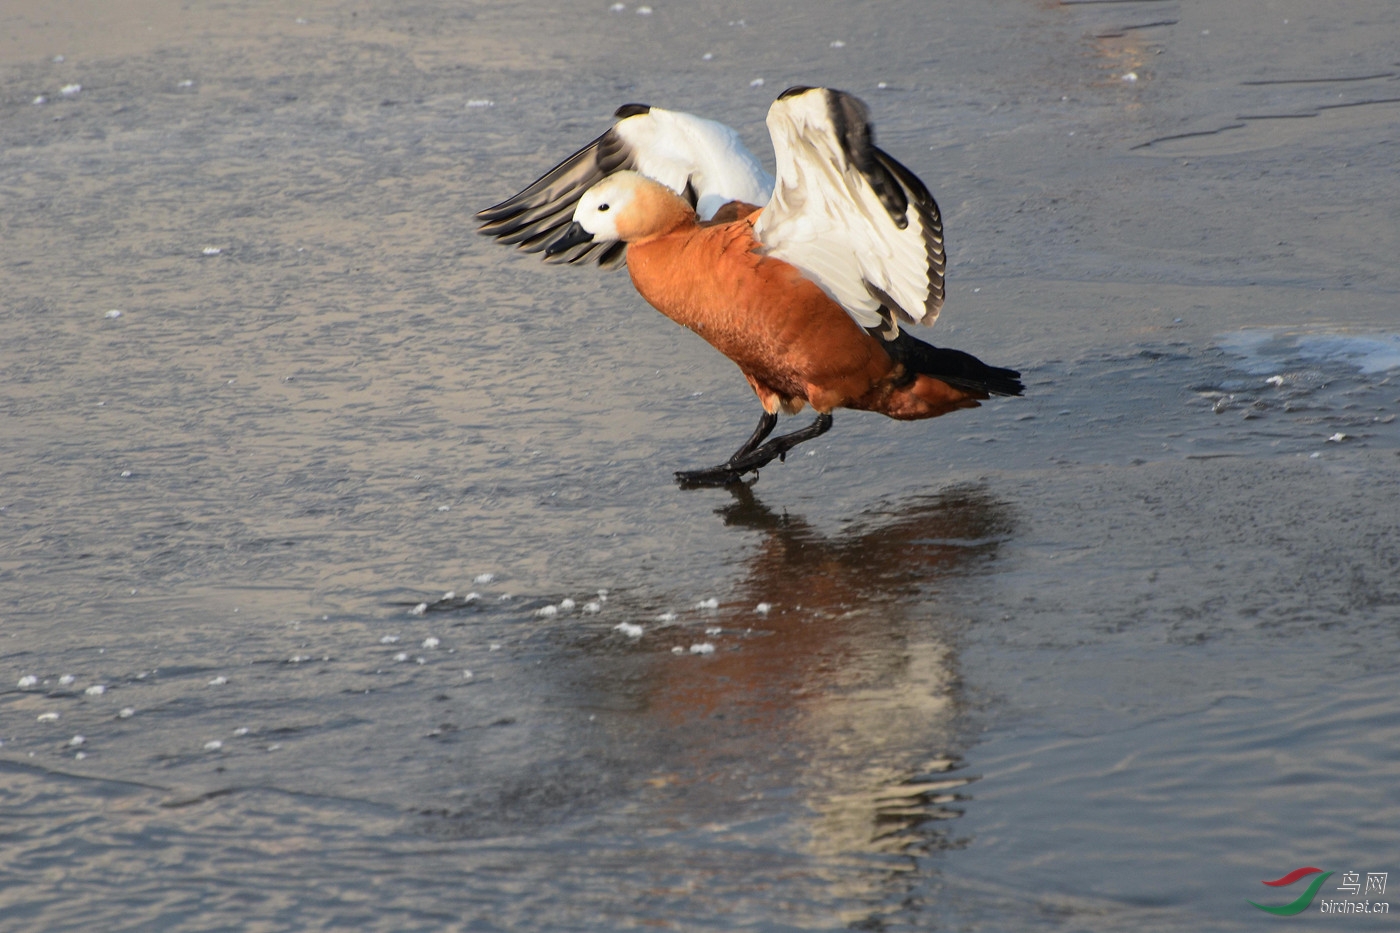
{"x": 795, "y": 90}
{"x": 631, "y": 110}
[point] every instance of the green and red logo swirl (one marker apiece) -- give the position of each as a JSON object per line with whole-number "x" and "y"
{"x": 1304, "y": 900}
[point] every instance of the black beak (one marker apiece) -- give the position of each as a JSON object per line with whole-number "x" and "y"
{"x": 572, "y": 236}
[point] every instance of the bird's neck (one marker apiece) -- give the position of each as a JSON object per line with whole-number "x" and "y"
{"x": 657, "y": 212}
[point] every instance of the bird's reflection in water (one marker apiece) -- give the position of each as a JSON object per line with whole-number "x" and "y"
{"x": 846, "y": 690}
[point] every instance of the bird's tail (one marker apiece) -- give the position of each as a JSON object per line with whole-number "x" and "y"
{"x": 954, "y": 367}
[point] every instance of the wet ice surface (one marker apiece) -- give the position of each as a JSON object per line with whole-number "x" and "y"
{"x": 364, "y": 527}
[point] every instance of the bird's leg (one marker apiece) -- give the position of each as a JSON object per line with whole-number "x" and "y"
{"x": 766, "y": 423}
{"x": 724, "y": 475}
{"x": 751, "y": 457}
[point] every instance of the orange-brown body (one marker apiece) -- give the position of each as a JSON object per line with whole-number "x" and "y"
{"x": 792, "y": 342}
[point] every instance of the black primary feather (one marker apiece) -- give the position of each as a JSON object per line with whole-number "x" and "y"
{"x": 534, "y": 218}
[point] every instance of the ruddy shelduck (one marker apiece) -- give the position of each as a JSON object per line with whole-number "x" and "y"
{"x": 806, "y": 294}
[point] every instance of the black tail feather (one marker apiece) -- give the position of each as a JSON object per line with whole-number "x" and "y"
{"x": 958, "y": 369}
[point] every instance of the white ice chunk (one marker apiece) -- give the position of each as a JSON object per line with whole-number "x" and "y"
{"x": 212, "y": 250}
{"x": 763, "y": 608}
{"x": 629, "y": 629}
{"x": 27, "y": 681}
{"x": 418, "y": 610}
{"x": 47, "y": 717}
{"x": 547, "y": 611}
{"x": 66, "y": 679}
{"x": 431, "y": 642}
{"x": 77, "y": 740}
{"x": 710, "y": 603}
{"x": 218, "y": 681}
{"x": 213, "y": 745}
{"x": 593, "y": 606}
{"x": 484, "y": 578}
{"x": 389, "y": 640}
{"x": 703, "y": 647}
{"x": 666, "y": 617}
{"x": 70, "y": 90}
{"x": 96, "y": 690}
{"x": 566, "y": 605}
{"x": 126, "y": 713}
{"x": 113, "y": 314}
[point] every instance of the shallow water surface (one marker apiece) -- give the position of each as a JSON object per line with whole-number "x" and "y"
{"x": 347, "y": 585}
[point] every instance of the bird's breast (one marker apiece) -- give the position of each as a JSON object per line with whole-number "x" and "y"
{"x": 760, "y": 312}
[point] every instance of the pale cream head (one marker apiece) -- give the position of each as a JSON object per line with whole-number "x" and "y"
{"x": 630, "y": 207}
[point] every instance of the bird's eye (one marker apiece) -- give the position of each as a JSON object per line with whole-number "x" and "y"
{"x": 602, "y": 207}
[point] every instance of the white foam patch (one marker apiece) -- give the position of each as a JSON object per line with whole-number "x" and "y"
{"x": 1263, "y": 350}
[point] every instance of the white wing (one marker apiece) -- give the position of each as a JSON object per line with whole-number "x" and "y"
{"x": 700, "y": 159}
{"x": 852, "y": 219}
